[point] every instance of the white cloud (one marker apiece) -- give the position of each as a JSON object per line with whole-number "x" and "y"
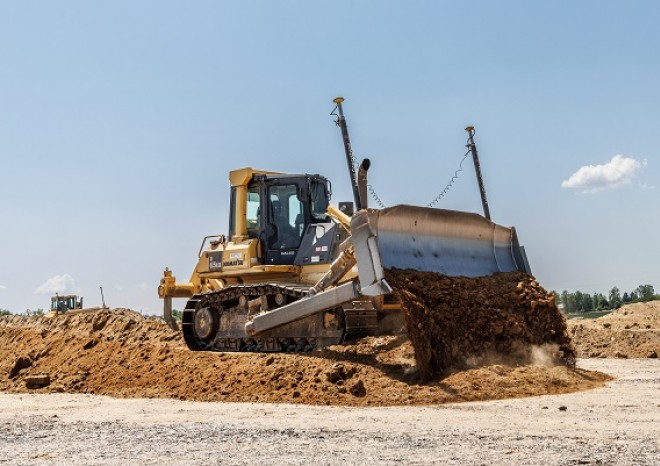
{"x": 593, "y": 178}
{"x": 58, "y": 284}
{"x": 3, "y": 287}
{"x": 143, "y": 286}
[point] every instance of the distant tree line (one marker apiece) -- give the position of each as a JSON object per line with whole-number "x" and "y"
{"x": 579, "y": 302}
{"x": 28, "y": 312}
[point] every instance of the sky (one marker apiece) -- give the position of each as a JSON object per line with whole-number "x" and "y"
{"x": 120, "y": 121}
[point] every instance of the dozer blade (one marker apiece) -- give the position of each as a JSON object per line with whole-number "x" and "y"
{"x": 432, "y": 240}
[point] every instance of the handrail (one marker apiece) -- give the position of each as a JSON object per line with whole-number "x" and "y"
{"x": 220, "y": 237}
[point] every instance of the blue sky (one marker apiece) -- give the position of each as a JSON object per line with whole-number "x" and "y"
{"x": 119, "y": 122}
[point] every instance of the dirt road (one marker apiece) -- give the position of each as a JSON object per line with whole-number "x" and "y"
{"x": 615, "y": 425}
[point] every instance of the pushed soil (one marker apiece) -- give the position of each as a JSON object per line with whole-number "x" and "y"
{"x": 632, "y": 331}
{"x": 459, "y": 322}
{"x": 120, "y": 353}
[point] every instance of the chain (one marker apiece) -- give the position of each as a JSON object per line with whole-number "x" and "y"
{"x": 375, "y": 196}
{"x": 372, "y": 191}
{"x": 434, "y": 202}
{"x": 450, "y": 184}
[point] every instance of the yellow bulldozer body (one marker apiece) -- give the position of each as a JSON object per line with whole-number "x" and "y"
{"x": 296, "y": 273}
{"x": 239, "y": 261}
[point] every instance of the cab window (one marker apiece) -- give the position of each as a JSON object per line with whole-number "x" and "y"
{"x": 252, "y": 208}
{"x": 319, "y": 203}
{"x": 286, "y": 215}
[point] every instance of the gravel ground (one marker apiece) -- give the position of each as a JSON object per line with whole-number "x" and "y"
{"x": 615, "y": 425}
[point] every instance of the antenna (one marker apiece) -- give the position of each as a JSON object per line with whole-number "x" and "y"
{"x": 341, "y": 122}
{"x": 477, "y": 168}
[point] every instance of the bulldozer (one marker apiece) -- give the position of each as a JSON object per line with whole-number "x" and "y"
{"x": 65, "y": 303}
{"x": 71, "y": 304}
{"x": 296, "y": 273}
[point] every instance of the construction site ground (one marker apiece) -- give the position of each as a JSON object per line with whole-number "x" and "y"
{"x": 120, "y": 353}
{"x": 606, "y": 411}
{"x": 613, "y": 425}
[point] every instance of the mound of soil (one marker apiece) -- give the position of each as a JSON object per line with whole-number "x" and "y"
{"x": 632, "y": 331}
{"x": 457, "y": 322}
{"x": 121, "y": 353}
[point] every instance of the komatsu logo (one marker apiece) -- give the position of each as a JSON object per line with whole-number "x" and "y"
{"x": 232, "y": 263}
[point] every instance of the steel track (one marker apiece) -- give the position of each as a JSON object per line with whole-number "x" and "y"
{"x": 226, "y": 319}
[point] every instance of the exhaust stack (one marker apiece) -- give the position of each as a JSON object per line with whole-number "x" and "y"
{"x": 362, "y": 182}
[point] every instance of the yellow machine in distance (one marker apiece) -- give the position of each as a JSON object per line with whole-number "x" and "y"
{"x": 71, "y": 304}
{"x": 61, "y": 304}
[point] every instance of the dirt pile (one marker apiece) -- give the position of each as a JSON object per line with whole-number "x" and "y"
{"x": 632, "y": 331}
{"x": 457, "y": 322}
{"x": 121, "y": 325}
{"x": 121, "y": 353}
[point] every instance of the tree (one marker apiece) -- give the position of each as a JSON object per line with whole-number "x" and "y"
{"x": 37, "y": 313}
{"x": 587, "y": 303}
{"x": 645, "y": 292}
{"x": 5, "y": 312}
{"x": 600, "y": 302}
{"x": 615, "y": 298}
{"x": 578, "y": 302}
{"x": 575, "y": 301}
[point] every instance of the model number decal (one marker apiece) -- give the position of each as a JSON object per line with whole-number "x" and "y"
{"x": 215, "y": 261}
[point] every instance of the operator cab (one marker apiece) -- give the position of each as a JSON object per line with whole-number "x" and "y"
{"x": 280, "y": 209}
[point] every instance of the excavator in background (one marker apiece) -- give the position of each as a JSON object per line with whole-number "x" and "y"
{"x": 296, "y": 273}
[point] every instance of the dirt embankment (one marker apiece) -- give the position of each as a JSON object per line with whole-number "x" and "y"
{"x": 121, "y": 353}
{"x": 632, "y": 331}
